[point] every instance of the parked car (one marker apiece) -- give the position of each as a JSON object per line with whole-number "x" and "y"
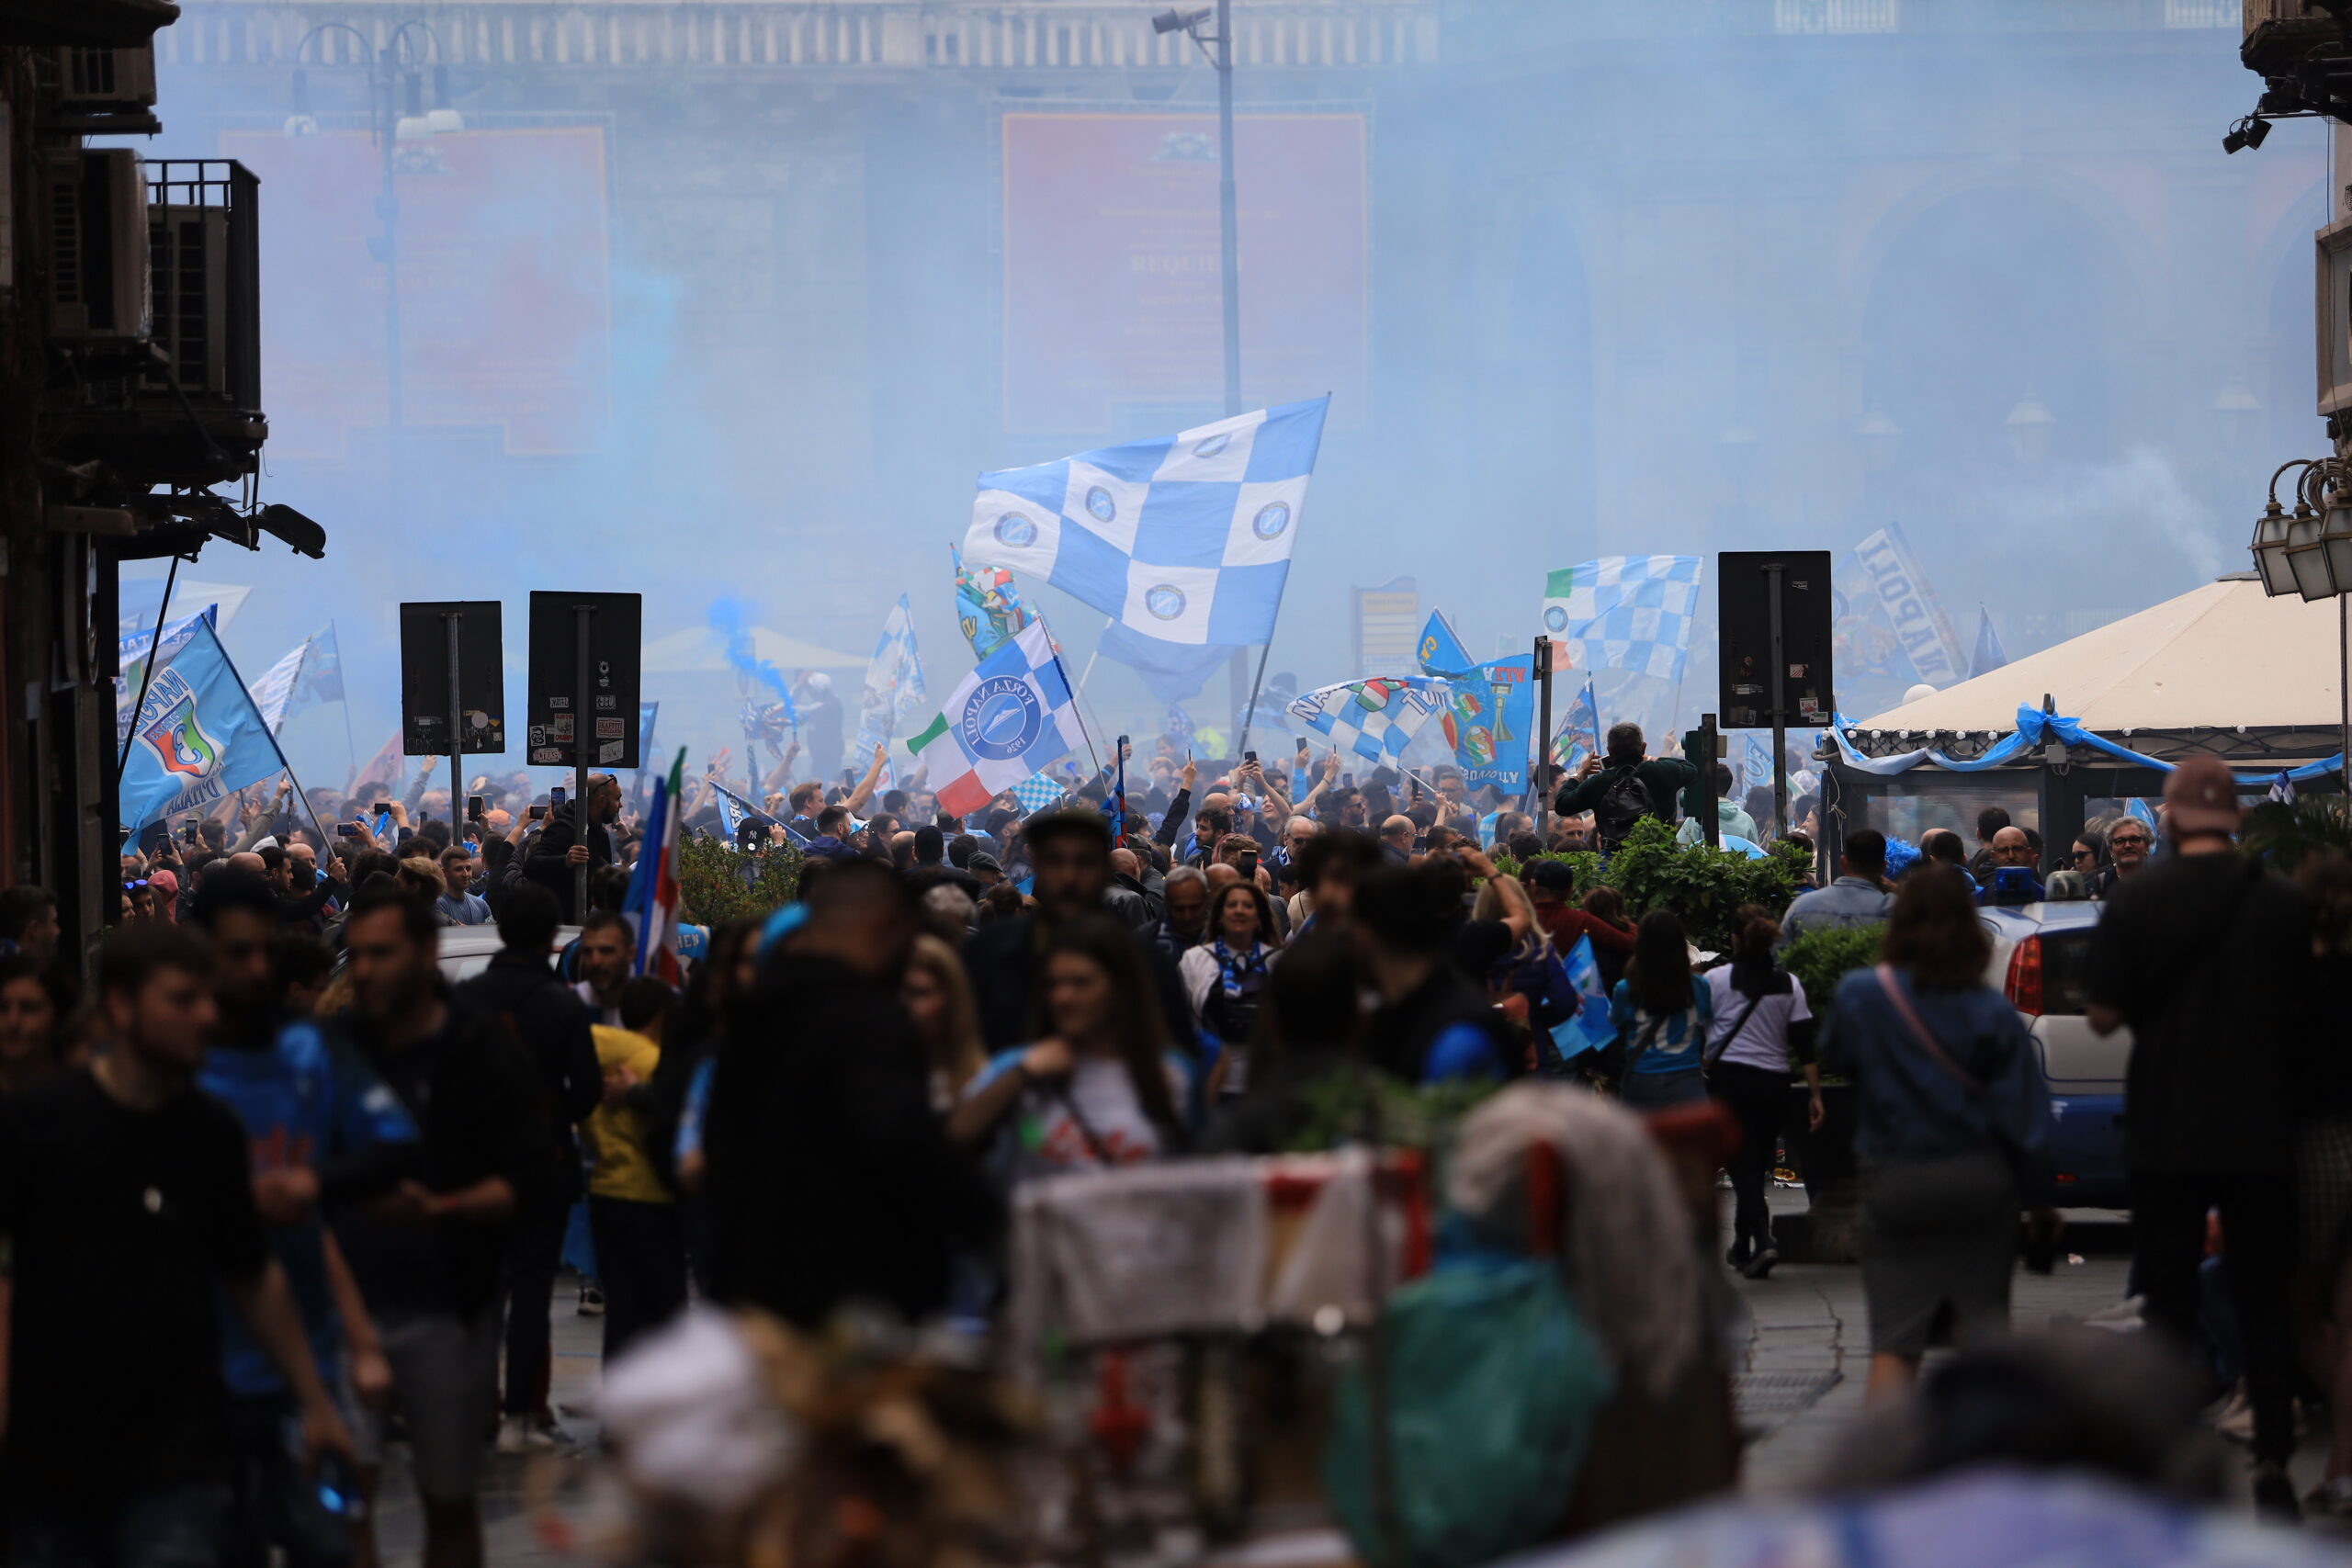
{"x": 2040, "y": 957}
{"x": 466, "y": 950}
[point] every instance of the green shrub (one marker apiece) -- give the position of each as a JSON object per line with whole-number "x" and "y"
{"x": 1703, "y": 886}
{"x": 717, "y": 884}
{"x": 2281, "y": 836}
{"x": 1820, "y": 959}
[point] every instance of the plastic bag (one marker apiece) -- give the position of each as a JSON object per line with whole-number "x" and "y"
{"x": 1494, "y": 1384}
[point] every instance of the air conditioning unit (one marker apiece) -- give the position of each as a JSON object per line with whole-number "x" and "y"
{"x": 106, "y": 80}
{"x": 188, "y": 260}
{"x": 93, "y": 212}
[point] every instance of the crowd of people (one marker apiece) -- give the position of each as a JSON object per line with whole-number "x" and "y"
{"x": 279, "y": 1188}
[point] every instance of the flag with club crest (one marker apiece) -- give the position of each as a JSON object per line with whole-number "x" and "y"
{"x": 197, "y": 737}
{"x": 1630, "y": 612}
{"x": 1490, "y": 708}
{"x": 1372, "y": 720}
{"x": 1003, "y": 724}
{"x": 894, "y": 687}
{"x": 987, "y": 605}
{"x": 652, "y": 907}
{"x": 1182, "y": 539}
{"x": 1580, "y": 724}
{"x": 134, "y": 651}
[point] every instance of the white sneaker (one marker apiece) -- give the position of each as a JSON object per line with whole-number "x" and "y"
{"x": 522, "y": 1435}
{"x": 2234, "y": 1417}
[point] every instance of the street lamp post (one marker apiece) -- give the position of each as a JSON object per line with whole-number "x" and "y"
{"x": 2310, "y": 553}
{"x": 1228, "y": 211}
{"x": 395, "y": 83}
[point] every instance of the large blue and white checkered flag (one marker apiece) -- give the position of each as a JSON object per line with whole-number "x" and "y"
{"x": 1372, "y": 719}
{"x": 1184, "y": 539}
{"x": 1625, "y": 613}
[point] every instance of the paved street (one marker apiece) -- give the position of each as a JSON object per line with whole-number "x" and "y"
{"x": 1807, "y": 1354}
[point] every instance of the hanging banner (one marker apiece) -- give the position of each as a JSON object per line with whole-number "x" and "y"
{"x": 1920, "y": 625}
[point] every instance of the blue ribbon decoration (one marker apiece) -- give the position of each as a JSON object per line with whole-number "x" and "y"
{"x": 2035, "y": 729}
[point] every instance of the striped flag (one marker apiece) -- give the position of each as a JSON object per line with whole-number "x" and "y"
{"x": 652, "y": 908}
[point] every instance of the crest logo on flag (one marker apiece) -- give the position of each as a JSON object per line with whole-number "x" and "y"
{"x": 1099, "y": 503}
{"x": 1001, "y": 718}
{"x": 180, "y": 742}
{"x": 1167, "y": 601}
{"x": 1209, "y": 446}
{"x": 1272, "y": 520}
{"x": 1016, "y": 529}
{"x": 1556, "y": 619}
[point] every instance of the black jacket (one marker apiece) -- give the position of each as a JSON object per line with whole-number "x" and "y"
{"x": 474, "y": 1101}
{"x": 1400, "y": 1036}
{"x": 1003, "y": 960}
{"x": 547, "y": 866}
{"x": 550, "y": 1023}
{"x": 828, "y": 1179}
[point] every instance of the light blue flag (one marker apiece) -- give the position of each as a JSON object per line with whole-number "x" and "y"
{"x": 1581, "y": 724}
{"x": 1625, "y": 613}
{"x": 133, "y": 656}
{"x": 1589, "y": 1028}
{"x": 1182, "y": 539}
{"x": 1490, "y": 708}
{"x": 197, "y": 737}
{"x": 1988, "y": 655}
{"x": 1371, "y": 720}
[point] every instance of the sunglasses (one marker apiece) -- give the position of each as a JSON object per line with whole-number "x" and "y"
{"x": 134, "y": 886}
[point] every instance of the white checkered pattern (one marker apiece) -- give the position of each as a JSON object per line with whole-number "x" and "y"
{"x": 1185, "y": 539}
{"x": 1373, "y": 720}
{"x": 1625, "y": 613}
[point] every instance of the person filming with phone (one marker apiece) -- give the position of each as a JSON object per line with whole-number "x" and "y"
{"x": 561, "y": 850}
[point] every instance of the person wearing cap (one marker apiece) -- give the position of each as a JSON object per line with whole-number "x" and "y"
{"x": 2208, "y": 958}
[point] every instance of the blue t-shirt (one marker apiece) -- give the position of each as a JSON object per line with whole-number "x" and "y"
{"x": 302, "y": 1101}
{"x": 1676, "y": 1044}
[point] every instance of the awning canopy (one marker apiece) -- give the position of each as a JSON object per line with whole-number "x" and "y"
{"x": 2225, "y": 656}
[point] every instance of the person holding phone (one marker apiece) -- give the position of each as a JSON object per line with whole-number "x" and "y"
{"x": 563, "y": 847}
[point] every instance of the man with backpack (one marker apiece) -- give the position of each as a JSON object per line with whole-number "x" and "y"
{"x": 1625, "y": 786}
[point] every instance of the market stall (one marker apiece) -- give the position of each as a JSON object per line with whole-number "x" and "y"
{"x": 2222, "y": 670}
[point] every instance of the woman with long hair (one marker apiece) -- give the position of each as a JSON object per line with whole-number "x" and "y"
{"x": 1762, "y": 1031}
{"x": 1102, "y": 1087}
{"x": 1524, "y": 976}
{"x": 938, "y": 999}
{"x": 1225, "y": 977}
{"x": 36, "y": 1003}
{"x": 1662, "y": 1014}
{"x": 1952, "y": 1126}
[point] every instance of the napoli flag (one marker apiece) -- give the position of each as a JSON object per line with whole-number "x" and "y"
{"x": 1008, "y": 719}
{"x": 1988, "y": 655}
{"x": 1588, "y": 1029}
{"x": 1625, "y": 613}
{"x": 197, "y": 737}
{"x": 1180, "y": 540}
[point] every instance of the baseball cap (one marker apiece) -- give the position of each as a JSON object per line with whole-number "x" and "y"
{"x": 2202, "y": 797}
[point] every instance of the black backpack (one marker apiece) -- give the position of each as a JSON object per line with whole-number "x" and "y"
{"x": 1624, "y": 800}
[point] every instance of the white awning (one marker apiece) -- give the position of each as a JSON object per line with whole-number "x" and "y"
{"x": 2224, "y": 655}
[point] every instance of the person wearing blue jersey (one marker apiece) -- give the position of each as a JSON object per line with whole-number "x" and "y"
{"x": 321, "y": 1130}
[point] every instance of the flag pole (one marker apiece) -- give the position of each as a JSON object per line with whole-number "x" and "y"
{"x": 1250, "y": 711}
{"x": 1075, "y": 706}
{"x": 147, "y": 671}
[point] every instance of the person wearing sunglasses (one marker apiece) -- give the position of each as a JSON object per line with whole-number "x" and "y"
{"x": 2128, "y": 843}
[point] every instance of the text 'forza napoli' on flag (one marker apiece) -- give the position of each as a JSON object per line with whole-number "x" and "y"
{"x": 196, "y": 736}
{"x": 1625, "y": 613}
{"x": 1182, "y": 539}
{"x": 1007, "y": 720}
{"x": 1375, "y": 719}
